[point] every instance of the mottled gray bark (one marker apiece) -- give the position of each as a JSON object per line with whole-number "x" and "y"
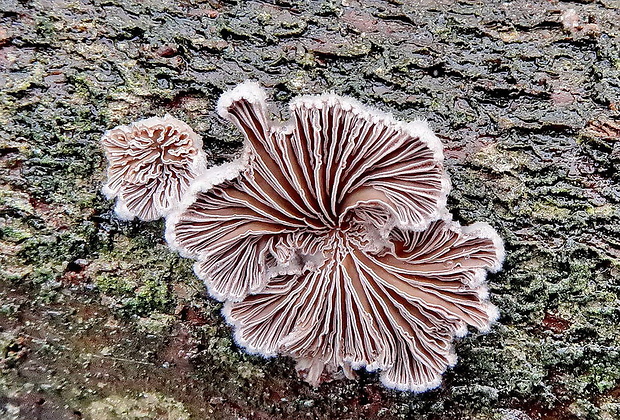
{"x": 99, "y": 320}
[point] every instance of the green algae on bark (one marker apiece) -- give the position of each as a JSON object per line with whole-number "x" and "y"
{"x": 94, "y": 310}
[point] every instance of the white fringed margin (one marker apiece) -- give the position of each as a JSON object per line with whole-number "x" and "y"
{"x": 486, "y": 231}
{"x": 236, "y": 326}
{"x": 416, "y": 389}
{"x": 248, "y": 90}
{"x": 122, "y": 212}
{"x": 207, "y": 180}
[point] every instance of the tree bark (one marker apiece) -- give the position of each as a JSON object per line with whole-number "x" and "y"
{"x": 98, "y": 319}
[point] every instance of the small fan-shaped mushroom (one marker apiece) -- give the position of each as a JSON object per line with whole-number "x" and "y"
{"x": 332, "y": 243}
{"x": 151, "y": 165}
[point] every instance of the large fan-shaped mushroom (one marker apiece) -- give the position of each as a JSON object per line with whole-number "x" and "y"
{"x": 334, "y": 157}
{"x": 331, "y": 244}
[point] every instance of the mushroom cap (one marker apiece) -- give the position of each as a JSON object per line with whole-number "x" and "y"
{"x": 151, "y": 164}
{"x": 397, "y": 310}
{"x": 333, "y": 157}
{"x": 330, "y": 242}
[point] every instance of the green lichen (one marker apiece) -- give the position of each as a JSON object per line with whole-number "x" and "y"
{"x": 145, "y": 406}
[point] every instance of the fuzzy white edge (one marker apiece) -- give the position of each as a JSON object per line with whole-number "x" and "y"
{"x": 480, "y": 230}
{"x": 207, "y": 180}
{"x": 226, "y": 312}
{"x": 214, "y": 293}
{"x": 121, "y": 210}
{"x": 416, "y": 128}
{"x": 484, "y": 230}
{"x": 248, "y": 90}
{"x": 416, "y": 389}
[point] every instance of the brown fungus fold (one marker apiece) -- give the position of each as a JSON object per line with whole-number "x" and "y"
{"x": 316, "y": 174}
{"x": 330, "y": 241}
{"x": 397, "y": 311}
{"x": 151, "y": 164}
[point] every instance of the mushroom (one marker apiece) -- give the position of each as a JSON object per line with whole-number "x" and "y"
{"x": 330, "y": 242}
{"x": 335, "y": 156}
{"x": 151, "y": 164}
{"x": 397, "y": 310}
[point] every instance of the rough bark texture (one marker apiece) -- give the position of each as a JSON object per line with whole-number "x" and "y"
{"x": 99, "y": 320}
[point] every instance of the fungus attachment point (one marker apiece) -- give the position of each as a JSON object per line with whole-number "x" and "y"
{"x": 151, "y": 164}
{"x": 332, "y": 243}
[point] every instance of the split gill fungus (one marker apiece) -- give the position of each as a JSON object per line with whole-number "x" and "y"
{"x": 151, "y": 164}
{"x": 329, "y": 241}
